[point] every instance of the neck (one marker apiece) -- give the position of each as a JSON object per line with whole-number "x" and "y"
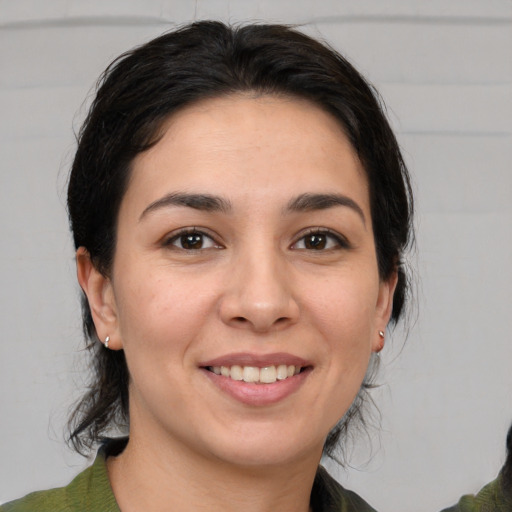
{"x": 166, "y": 476}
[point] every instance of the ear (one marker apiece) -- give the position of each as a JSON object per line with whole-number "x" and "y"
{"x": 383, "y": 310}
{"x": 100, "y": 295}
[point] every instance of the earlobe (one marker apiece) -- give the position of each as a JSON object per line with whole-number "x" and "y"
{"x": 384, "y": 310}
{"x": 100, "y": 296}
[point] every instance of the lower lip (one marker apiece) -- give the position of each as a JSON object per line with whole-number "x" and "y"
{"x": 258, "y": 394}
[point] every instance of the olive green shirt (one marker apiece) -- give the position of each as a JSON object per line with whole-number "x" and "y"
{"x": 492, "y": 498}
{"x": 90, "y": 491}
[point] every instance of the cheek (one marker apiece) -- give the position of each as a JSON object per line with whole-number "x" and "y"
{"x": 343, "y": 315}
{"x": 161, "y": 311}
{"x": 344, "y": 309}
{"x": 344, "y": 324}
{"x": 160, "y": 320}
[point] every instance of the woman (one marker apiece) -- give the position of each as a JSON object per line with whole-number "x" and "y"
{"x": 240, "y": 209}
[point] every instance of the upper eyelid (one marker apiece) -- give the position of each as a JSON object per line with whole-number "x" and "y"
{"x": 343, "y": 240}
{"x": 169, "y": 237}
{"x": 322, "y": 231}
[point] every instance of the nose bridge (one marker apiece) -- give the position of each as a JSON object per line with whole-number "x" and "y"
{"x": 259, "y": 295}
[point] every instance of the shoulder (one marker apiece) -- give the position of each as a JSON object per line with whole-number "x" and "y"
{"x": 329, "y": 496}
{"x": 90, "y": 491}
{"x": 492, "y": 498}
{"x": 52, "y": 500}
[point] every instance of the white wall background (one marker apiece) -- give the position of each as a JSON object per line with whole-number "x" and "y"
{"x": 444, "y": 68}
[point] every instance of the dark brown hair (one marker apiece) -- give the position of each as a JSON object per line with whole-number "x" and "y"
{"x": 145, "y": 86}
{"x": 507, "y": 468}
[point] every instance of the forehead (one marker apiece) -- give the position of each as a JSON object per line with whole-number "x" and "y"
{"x": 248, "y": 145}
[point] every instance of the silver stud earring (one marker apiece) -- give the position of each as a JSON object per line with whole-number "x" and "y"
{"x": 107, "y": 339}
{"x": 380, "y": 346}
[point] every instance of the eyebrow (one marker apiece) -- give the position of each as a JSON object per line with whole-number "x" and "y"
{"x": 211, "y": 203}
{"x": 204, "y": 202}
{"x": 311, "y": 202}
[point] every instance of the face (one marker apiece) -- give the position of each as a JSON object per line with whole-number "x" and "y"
{"x": 245, "y": 290}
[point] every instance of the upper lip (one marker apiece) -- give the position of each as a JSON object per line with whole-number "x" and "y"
{"x": 256, "y": 360}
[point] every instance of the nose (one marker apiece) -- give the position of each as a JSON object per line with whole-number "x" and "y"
{"x": 258, "y": 295}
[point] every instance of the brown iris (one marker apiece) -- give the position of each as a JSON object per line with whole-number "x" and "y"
{"x": 192, "y": 241}
{"x": 315, "y": 241}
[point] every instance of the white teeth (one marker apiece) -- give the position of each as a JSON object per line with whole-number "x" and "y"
{"x": 265, "y": 375}
{"x": 268, "y": 374}
{"x": 282, "y": 372}
{"x": 251, "y": 374}
{"x": 236, "y": 372}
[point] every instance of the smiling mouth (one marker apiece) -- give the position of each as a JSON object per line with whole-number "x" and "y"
{"x": 256, "y": 375}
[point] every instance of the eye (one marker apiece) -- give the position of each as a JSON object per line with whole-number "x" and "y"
{"x": 320, "y": 240}
{"x": 192, "y": 240}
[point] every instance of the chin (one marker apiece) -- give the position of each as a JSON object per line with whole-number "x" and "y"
{"x": 264, "y": 449}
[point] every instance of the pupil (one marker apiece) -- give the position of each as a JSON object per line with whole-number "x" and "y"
{"x": 316, "y": 242}
{"x": 192, "y": 241}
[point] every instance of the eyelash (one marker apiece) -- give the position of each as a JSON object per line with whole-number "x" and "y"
{"x": 191, "y": 231}
{"x": 340, "y": 242}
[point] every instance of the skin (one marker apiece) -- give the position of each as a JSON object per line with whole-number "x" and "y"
{"x": 256, "y": 284}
